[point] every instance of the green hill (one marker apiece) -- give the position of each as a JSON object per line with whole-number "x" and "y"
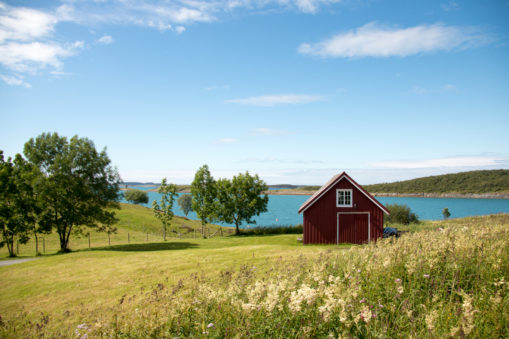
{"x": 474, "y": 182}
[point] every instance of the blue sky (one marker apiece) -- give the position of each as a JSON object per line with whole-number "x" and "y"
{"x": 295, "y": 91}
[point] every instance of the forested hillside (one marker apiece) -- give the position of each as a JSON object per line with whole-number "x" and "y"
{"x": 492, "y": 181}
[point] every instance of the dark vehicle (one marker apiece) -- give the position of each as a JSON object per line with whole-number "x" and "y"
{"x": 390, "y": 232}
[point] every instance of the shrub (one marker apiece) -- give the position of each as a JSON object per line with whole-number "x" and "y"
{"x": 267, "y": 230}
{"x": 136, "y": 196}
{"x": 400, "y": 214}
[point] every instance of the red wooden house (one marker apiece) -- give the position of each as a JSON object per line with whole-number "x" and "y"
{"x": 341, "y": 211}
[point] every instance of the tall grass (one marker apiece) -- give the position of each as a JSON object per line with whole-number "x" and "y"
{"x": 445, "y": 282}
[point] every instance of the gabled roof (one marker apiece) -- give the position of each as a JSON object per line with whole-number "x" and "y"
{"x": 330, "y": 184}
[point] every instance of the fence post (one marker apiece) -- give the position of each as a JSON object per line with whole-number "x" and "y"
{"x": 43, "y": 245}
{"x": 128, "y": 238}
{"x": 89, "y": 240}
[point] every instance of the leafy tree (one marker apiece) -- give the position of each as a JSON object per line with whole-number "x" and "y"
{"x": 13, "y": 221}
{"x": 28, "y": 178}
{"x": 203, "y": 191}
{"x": 446, "y": 213}
{"x": 78, "y": 184}
{"x": 240, "y": 199}
{"x": 136, "y": 196}
{"x": 164, "y": 210}
{"x": 400, "y": 214}
{"x": 185, "y": 202}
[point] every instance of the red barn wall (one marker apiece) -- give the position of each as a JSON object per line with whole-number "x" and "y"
{"x": 320, "y": 219}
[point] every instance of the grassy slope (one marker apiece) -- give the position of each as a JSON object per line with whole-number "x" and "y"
{"x": 494, "y": 181}
{"x": 134, "y": 224}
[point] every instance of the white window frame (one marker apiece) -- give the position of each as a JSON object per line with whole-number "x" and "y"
{"x": 351, "y": 197}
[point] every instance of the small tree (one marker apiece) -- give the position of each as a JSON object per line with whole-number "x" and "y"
{"x": 185, "y": 202}
{"x": 400, "y": 214}
{"x": 240, "y": 199}
{"x": 164, "y": 210}
{"x": 203, "y": 191}
{"x": 136, "y": 196}
{"x": 446, "y": 213}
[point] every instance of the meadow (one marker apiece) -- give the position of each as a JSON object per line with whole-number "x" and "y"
{"x": 440, "y": 279}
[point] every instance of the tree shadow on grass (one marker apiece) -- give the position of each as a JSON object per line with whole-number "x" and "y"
{"x": 153, "y": 246}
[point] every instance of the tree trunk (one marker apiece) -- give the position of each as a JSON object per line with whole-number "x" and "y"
{"x": 109, "y": 241}
{"x": 164, "y": 232}
{"x": 203, "y": 230}
{"x": 237, "y": 231}
{"x": 10, "y": 247}
{"x": 36, "y": 244}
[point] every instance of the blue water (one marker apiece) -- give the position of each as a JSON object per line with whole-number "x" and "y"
{"x": 282, "y": 209}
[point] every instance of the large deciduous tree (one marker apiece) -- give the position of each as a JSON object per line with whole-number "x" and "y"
{"x": 79, "y": 185}
{"x": 164, "y": 209}
{"x": 240, "y": 199}
{"x": 203, "y": 192}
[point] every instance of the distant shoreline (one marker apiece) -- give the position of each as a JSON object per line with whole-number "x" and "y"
{"x": 406, "y": 195}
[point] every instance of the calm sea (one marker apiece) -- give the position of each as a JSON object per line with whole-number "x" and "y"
{"x": 282, "y": 209}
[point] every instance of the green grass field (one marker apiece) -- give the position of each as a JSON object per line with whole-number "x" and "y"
{"x": 429, "y": 283}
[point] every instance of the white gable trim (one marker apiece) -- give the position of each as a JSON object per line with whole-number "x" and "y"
{"x": 355, "y": 185}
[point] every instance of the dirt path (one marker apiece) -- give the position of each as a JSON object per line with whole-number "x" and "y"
{"x": 15, "y": 261}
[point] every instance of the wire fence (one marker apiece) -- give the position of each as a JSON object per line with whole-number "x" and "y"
{"x": 49, "y": 244}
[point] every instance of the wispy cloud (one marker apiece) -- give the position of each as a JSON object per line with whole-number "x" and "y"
{"x": 278, "y": 99}
{"x": 25, "y": 39}
{"x": 216, "y": 87}
{"x": 451, "y": 6}
{"x": 373, "y": 40}
{"x": 455, "y": 162}
{"x": 281, "y": 161}
{"x": 449, "y": 88}
{"x": 269, "y": 131}
{"x": 15, "y": 81}
{"x": 226, "y": 141}
{"x": 105, "y": 40}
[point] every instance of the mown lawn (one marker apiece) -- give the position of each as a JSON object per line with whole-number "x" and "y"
{"x": 448, "y": 279}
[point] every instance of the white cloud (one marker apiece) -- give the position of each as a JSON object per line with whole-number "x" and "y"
{"x": 29, "y": 57}
{"x": 269, "y": 131}
{"x": 25, "y": 40}
{"x": 105, "y": 40}
{"x": 453, "y": 162}
{"x": 226, "y": 141}
{"x": 372, "y": 40}
{"x": 25, "y": 24}
{"x": 15, "y": 81}
{"x": 180, "y": 29}
{"x": 280, "y": 99}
